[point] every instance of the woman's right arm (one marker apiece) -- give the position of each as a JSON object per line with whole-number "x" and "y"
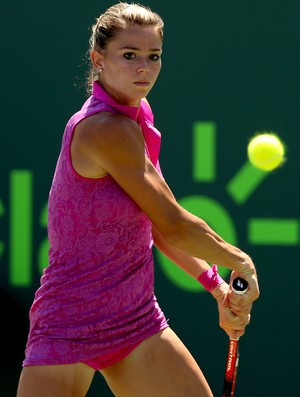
{"x": 116, "y": 144}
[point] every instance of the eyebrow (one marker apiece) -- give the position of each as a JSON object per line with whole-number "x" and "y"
{"x": 137, "y": 49}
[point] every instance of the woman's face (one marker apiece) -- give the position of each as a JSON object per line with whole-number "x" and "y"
{"x": 130, "y": 64}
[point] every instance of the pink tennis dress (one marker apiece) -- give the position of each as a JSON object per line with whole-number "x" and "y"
{"x": 97, "y": 295}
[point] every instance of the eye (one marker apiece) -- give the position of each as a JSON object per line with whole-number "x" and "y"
{"x": 154, "y": 57}
{"x": 129, "y": 55}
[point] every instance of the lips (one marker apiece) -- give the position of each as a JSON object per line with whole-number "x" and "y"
{"x": 142, "y": 83}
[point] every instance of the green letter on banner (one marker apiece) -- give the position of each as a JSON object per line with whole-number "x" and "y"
{"x": 20, "y": 228}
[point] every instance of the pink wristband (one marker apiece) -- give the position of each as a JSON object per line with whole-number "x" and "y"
{"x": 210, "y": 278}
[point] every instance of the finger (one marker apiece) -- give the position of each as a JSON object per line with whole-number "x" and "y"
{"x": 241, "y": 310}
{"x": 237, "y": 329}
{"x": 232, "y": 322}
{"x": 240, "y": 300}
{"x": 238, "y": 323}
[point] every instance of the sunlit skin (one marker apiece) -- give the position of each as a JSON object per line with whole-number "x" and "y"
{"x": 130, "y": 64}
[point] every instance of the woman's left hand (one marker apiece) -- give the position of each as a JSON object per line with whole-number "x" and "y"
{"x": 233, "y": 320}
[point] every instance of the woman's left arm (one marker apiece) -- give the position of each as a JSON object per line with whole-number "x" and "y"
{"x": 192, "y": 266}
{"x": 233, "y": 322}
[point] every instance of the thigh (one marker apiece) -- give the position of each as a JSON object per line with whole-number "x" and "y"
{"x": 159, "y": 366}
{"x": 71, "y": 380}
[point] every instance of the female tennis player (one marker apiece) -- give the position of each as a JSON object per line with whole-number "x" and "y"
{"x": 95, "y": 309}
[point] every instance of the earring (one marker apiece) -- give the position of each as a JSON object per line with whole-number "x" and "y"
{"x": 99, "y": 70}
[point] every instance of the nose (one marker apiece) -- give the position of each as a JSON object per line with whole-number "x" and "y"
{"x": 143, "y": 66}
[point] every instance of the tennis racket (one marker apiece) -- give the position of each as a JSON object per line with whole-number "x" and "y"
{"x": 239, "y": 286}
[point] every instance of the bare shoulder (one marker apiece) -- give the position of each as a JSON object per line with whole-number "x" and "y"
{"x": 103, "y": 142}
{"x": 107, "y": 128}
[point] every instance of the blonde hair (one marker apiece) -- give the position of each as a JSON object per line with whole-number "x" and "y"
{"x": 116, "y": 18}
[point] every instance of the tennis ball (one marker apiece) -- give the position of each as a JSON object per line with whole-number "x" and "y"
{"x": 266, "y": 151}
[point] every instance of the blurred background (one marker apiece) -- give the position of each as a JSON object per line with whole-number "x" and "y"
{"x": 230, "y": 70}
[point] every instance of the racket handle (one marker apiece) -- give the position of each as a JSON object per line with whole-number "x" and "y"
{"x": 239, "y": 286}
{"x": 231, "y": 368}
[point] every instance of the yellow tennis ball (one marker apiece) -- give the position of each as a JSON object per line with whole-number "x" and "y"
{"x": 266, "y": 151}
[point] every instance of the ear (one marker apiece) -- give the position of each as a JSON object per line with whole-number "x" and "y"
{"x": 96, "y": 58}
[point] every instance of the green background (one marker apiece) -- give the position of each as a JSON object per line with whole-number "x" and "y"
{"x": 234, "y": 64}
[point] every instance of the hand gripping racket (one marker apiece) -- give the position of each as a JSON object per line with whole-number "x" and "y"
{"x": 239, "y": 286}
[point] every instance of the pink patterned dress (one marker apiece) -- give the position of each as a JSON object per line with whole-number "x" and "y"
{"x": 97, "y": 295}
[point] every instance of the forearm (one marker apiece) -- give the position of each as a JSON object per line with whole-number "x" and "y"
{"x": 194, "y": 236}
{"x": 191, "y": 265}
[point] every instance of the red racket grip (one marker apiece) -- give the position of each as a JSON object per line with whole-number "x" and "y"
{"x": 239, "y": 287}
{"x": 231, "y": 368}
